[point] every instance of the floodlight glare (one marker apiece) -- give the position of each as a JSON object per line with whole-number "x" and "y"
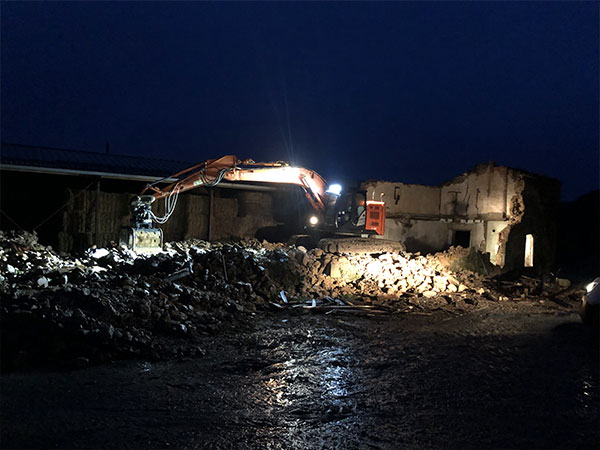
{"x": 590, "y": 287}
{"x": 335, "y": 189}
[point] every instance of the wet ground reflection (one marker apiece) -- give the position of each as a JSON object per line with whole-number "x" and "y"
{"x": 488, "y": 381}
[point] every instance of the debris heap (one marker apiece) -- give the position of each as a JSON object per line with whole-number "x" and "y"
{"x": 111, "y": 303}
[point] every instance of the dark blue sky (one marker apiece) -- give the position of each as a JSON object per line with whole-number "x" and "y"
{"x": 412, "y": 92}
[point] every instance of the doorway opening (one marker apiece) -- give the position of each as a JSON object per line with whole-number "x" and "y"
{"x": 462, "y": 238}
{"x": 529, "y": 250}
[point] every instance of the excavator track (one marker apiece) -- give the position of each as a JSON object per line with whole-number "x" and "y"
{"x": 356, "y": 245}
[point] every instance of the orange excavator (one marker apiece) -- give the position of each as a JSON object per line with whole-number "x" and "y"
{"x": 334, "y": 213}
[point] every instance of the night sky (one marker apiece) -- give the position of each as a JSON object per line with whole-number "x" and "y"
{"x": 411, "y": 92}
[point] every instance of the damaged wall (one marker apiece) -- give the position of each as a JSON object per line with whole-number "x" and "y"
{"x": 537, "y": 206}
{"x": 491, "y": 208}
{"x": 71, "y": 214}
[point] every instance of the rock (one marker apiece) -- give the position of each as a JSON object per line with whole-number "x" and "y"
{"x": 283, "y": 296}
{"x": 99, "y": 253}
{"x": 317, "y": 252}
{"x": 143, "y": 310}
{"x": 79, "y": 317}
{"x": 563, "y": 283}
{"x": 305, "y": 260}
{"x": 340, "y": 268}
{"x": 453, "y": 280}
{"x": 106, "y": 331}
{"x": 440, "y": 283}
{"x": 80, "y": 362}
{"x": 429, "y": 294}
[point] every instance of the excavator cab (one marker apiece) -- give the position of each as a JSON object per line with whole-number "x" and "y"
{"x": 350, "y": 211}
{"x": 357, "y": 215}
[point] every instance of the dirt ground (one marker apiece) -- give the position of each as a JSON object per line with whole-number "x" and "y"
{"x": 503, "y": 375}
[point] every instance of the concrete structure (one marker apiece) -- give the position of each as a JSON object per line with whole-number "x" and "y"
{"x": 497, "y": 210}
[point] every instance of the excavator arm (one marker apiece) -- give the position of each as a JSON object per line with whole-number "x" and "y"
{"x": 230, "y": 168}
{"x": 142, "y": 235}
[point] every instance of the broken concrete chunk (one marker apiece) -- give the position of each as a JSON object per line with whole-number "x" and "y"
{"x": 99, "y": 253}
{"x": 453, "y": 280}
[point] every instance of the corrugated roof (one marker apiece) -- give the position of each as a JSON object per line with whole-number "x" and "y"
{"x": 86, "y": 161}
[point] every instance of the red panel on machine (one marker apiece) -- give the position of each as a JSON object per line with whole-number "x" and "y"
{"x": 375, "y": 217}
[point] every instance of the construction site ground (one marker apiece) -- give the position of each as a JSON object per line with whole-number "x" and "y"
{"x": 249, "y": 344}
{"x": 500, "y": 375}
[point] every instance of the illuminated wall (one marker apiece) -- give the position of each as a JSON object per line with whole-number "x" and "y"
{"x": 480, "y": 208}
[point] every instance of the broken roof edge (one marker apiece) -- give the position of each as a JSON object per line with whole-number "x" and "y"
{"x": 90, "y": 152}
{"x": 481, "y": 167}
{"x": 373, "y": 181}
{"x": 58, "y": 171}
{"x": 80, "y": 161}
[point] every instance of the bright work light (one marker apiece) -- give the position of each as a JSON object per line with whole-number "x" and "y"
{"x": 335, "y": 189}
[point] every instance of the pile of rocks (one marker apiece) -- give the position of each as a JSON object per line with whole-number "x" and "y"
{"x": 385, "y": 274}
{"x": 111, "y": 303}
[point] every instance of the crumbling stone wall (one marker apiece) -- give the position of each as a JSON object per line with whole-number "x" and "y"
{"x": 78, "y": 218}
{"x": 427, "y": 218}
{"x": 405, "y": 200}
{"x": 418, "y": 235}
{"x": 497, "y": 205}
{"x": 478, "y": 194}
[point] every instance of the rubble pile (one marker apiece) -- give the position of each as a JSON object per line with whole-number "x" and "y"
{"x": 111, "y": 303}
{"x": 378, "y": 275}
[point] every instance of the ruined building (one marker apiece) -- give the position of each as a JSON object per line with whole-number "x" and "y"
{"x": 75, "y": 199}
{"x": 508, "y": 213}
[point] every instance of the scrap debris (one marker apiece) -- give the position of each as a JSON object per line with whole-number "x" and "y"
{"x": 110, "y": 303}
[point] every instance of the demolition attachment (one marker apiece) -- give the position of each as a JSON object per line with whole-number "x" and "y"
{"x": 141, "y": 236}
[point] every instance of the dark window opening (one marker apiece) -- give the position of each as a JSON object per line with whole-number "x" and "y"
{"x": 462, "y": 238}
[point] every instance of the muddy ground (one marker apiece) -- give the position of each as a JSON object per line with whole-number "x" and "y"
{"x": 503, "y": 375}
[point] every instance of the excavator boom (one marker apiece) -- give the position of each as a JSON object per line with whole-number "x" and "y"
{"x": 230, "y": 168}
